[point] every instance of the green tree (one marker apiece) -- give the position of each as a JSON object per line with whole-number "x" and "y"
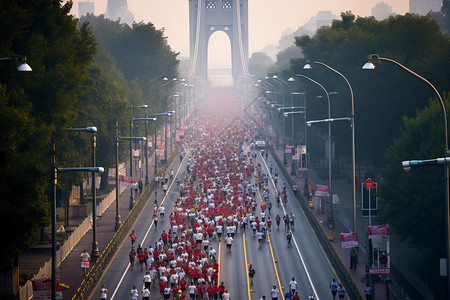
{"x": 34, "y": 106}
{"x": 383, "y": 96}
{"x": 259, "y": 63}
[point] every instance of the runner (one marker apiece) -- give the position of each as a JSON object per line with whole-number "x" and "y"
{"x": 274, "y": 293}
{"x": 132, "y": 256}
{"x": 133, "y": 237}
{"x": 278, "y": 220}
{"x": 293, "y": 286}
{"x": 289, "y": 237}
{"x": 251, "y": 273}
{"x": 85, "y": 258}
{"x": 134, "y": 293}
{"x": 229, "y": 242}
{"x": 103, "y": 292}
{"x": 162, "y": 210}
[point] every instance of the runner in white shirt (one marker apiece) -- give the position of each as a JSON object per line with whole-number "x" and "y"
{"x": 192, "y": 289}
{"x": 103, "y": 292}
{"x": 274, "y": 293}
{"x": 134, "y": 293}
{"x": 147, "y": 280}
{"x": 293, "y": 285}
{"x": 229, "y": 242}
{"x": 162, "y": 210}
{"x": 145, "y": 294}
{"x": 226, "y": 295}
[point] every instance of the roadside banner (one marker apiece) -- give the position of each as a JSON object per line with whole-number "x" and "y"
{"x": 321, "y": 191}
{"x": 379, "y": 230}
{"x": 42, "y": 289}
{"x": 126, "y": 181}
{"x": 349, "y": 240}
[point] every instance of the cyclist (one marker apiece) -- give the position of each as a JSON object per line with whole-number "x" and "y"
{"x": 251, "y": 273}
{"x": 289, "y": 237}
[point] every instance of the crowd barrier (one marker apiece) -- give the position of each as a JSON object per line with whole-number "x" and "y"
{"x": 342, "y": 272}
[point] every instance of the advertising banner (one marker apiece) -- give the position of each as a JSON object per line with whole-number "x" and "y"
{"x": 349, "y": 240}
{"x": 321, "y": 191}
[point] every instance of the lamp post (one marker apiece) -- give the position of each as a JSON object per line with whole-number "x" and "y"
{"x": 154, "y": 120}
{"x": 375, "y": 59}
{"x": 57, "y": 170}
{"x": 118, "y": 222}
{"x": 94, "y": 253}
{"x": 308, "y": 66}
{"x": 131, "y": 150}
{"x": 331, "y": 211}
{"x": 23, "y": 67}
{"x": 286, "y": 114}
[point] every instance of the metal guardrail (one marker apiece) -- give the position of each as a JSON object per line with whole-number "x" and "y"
{"x": 338, "y": 266}
{"x": 91, "y": 279}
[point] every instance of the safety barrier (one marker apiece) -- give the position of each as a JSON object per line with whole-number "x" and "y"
{"x": 338, "y": 266}
{"x": 101, "y": 264}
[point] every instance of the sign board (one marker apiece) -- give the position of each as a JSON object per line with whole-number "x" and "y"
{"x": 321, "y": 191}
{"x": 349, "y": 240}
{"x": 42, "y": 289}
{"x": 126, "y": 181}
{"x": 380, "y": 271}
{"x": 378, "y": 230}
{"x": 370, "y": 184}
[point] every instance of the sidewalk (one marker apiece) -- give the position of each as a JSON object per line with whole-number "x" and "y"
{"x": 70, "y": 272}
{"x": 359, "y": 274}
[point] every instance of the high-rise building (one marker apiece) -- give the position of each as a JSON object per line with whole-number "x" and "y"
{"x": 85, "y": 7}
{"x": 382, "y": 11}
{"x": 324, "y": 18}
{"x": 423, "y": 7}
{"x": 118, "y": 10}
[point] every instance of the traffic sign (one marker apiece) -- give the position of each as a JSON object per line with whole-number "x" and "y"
{"x": 369, "y": 183}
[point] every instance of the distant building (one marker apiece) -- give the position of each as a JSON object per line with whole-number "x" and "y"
{"x": 85, "y": 8}
{"x": 382, "y": 11}
{"x": 423, "y": 7}
{"x": 324, "y": 18}
{"x": 118, "y": 9}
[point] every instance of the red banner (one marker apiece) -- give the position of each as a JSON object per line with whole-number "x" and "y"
{"x": 126, "y": 181}
{"x": 42, "y": 289}
{"x": 321, "y": 190}
{"x": 349, "y": 240}
{"x": 379, "y": 230}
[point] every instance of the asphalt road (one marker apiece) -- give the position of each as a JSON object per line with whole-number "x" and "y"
{"x": 274, "y": 261}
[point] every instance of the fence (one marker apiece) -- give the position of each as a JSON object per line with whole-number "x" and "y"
{"x": 26, "y": 291}
{"x": 338, "y": 266}
{"x": 103, "y": 261}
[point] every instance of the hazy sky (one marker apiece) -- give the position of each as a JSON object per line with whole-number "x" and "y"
{"x": 268, "y": 19}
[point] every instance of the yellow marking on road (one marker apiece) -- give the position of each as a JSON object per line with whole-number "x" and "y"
{"x": 246, "y": 264}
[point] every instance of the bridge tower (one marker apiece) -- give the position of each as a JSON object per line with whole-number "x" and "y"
{"x": 209, "y": 16}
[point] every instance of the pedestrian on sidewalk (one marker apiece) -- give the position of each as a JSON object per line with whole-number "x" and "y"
{"x": 353, "y": 258}
{"x": 103, "y": 292}
{"x": 85, "y": 258}
{"x": 369, "y": 291}
{"x": 341, "y": 291}
{"x": 333, "y": 288}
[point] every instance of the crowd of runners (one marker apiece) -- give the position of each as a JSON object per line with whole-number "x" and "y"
{"x": 218, "y": 198}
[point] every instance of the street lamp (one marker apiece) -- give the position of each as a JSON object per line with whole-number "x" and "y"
{"x": 23, "y": 67}
{"x": 154, "y": 142}
{"x": 118, "y": 222}
{"x": 94, "y": 252}
{"x": 57, "y": 170}
{"x": 131, "y": 150}
{"x": 375, "y": 59}
{"x": 308, "y": 66}
{"x": 331, "y": 211}
{"x": 286, "y": 114}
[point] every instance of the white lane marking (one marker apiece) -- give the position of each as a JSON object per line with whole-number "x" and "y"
{"x": 146, "y": 234}
{"x": 293, "y": 238}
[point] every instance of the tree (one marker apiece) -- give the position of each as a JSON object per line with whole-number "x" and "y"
{"x": 258, "y": 64}
{"x": 382, "y": 96}
{"x": 35, "y": 105}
